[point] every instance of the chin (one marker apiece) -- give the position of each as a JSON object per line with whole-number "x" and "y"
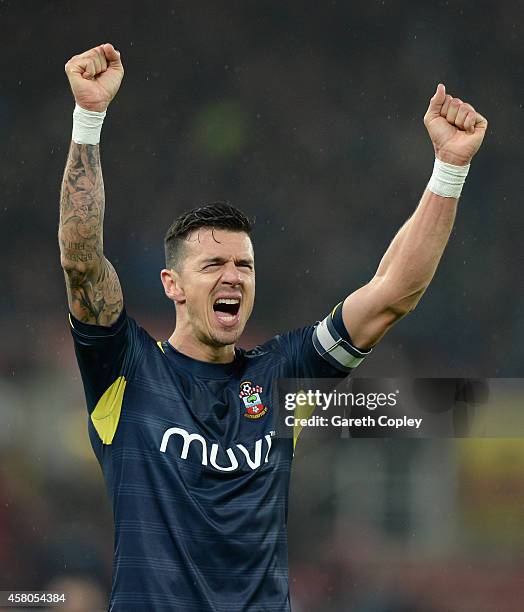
{"x": 226, "y": 337}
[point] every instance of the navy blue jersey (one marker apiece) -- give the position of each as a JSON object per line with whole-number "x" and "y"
{"x": 197, "y": 479}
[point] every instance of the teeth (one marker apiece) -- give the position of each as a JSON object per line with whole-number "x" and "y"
{"x": 227, "y": 301}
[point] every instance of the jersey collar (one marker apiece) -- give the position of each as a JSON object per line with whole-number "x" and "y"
{"x": 203, "y": 369}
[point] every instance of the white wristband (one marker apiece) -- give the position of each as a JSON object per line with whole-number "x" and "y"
{"x": 87, "y": 126}
{"x": 447, "y": 180}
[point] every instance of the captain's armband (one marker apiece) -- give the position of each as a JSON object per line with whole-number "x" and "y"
{"x": 333, "y": 343}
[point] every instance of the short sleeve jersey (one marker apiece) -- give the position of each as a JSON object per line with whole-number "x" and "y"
{"x": 197, "y": 479}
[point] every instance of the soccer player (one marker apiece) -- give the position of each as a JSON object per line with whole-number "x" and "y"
{"x": 184, "y": 428}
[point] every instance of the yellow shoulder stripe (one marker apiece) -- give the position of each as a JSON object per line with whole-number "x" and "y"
{"x": 106, "y": 414}
{"x": 301, "y": 412}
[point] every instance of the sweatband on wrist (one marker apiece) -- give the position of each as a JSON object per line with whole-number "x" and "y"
{"x": 447, "y": 180}
{"x": 87, "y": 126}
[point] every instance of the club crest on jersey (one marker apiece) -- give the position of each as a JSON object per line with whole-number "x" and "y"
{"x": 250, "y": 395}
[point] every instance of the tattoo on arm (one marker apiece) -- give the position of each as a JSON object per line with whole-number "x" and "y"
{"x": 82, "y": 199}
{"x": 93, "y": 287}
{"x": 95, "y": 300}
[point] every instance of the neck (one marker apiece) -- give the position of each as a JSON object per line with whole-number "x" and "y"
{"x": 191, "y": 347}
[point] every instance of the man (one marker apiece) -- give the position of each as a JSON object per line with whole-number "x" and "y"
{"x": 184, "y": 429}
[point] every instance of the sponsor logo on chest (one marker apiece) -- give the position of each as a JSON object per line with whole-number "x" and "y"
{"x": 208, "y": 454}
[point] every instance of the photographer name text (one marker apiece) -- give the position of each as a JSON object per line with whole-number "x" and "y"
{"x": 366, "y": 421}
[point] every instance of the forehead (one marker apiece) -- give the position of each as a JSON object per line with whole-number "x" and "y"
{"x": 206, "y": 243}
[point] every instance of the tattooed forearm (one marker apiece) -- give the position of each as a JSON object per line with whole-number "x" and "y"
{"x": 82, "y": 257}
{"x": 93, "y": 288}
{"x": 82, "y": 201}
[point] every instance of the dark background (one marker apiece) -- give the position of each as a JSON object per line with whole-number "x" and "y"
{"x": 308, "y": 116}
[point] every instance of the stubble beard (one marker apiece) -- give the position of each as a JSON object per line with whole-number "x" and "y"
{"x": 211, "y": 337}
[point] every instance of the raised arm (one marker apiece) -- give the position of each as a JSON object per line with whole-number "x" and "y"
{"x": 93, "y": 288}
{"x": 411, "y": 260}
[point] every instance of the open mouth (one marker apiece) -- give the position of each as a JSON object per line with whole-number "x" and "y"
{"x": 227, "y": 310}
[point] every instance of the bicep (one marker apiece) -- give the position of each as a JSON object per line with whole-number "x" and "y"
{"x": 368, "y": 315}
{"x": 94, "y": 295}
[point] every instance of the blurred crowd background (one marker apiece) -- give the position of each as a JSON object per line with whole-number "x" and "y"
{"x": 308, "y": 116}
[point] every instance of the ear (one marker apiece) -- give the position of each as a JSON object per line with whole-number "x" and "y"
{"x": 172, "y": 285}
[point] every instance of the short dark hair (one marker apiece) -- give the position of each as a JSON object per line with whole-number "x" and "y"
{"x": 216, "y": 215}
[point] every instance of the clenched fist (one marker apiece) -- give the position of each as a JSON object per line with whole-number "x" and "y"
{"x": 95, "y": 77}
{"x": 455, "y": 128}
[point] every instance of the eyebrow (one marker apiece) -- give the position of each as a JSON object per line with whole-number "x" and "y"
{"x": 221, "y": 260}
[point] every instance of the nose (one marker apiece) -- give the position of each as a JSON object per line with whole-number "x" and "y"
{"x": 231, "y": 275}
